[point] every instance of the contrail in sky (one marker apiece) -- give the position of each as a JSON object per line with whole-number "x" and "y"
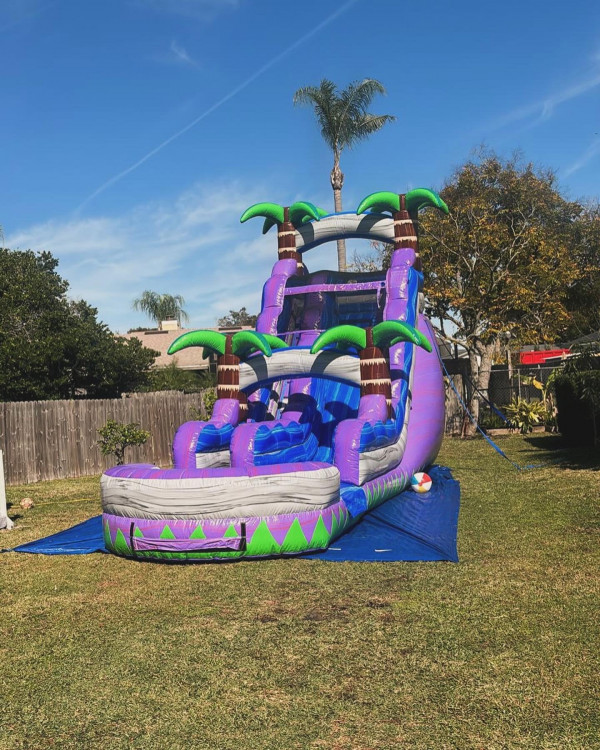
{"x": 226, "y": 98}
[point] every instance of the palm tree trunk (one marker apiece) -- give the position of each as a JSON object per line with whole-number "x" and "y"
{"x": 337, "y": 180}
{"x": 375, "y": 372}
{"x": 405, "y": 231}
{"x": 228, "y": 379}
{"x": 286, "y": 239}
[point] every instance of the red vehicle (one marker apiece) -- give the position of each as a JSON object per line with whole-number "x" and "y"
{"x": 538, "y": 358}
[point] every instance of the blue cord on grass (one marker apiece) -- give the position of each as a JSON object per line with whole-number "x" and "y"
{"x": 497, "y": 448}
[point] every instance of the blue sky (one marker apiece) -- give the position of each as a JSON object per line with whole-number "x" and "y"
{"x": 135, "y": 132}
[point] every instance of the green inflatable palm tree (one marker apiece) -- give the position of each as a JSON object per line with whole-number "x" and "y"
{"x": 374, "y": 367}
{"x": 231, "y": 349}
{"x": 287, "y": 218}
{"x": 404, "y": 209}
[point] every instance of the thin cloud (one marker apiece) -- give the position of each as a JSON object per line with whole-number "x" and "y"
{"x": 588, "y": 155}
{"x": 543, "y": 109}
{"x": 274, "y": 61}
{"x": 193, "y": 245}
{"x": 181, "y": 55}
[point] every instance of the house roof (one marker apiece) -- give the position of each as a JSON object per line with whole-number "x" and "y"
{"x": 187, "y": 359}
{"x": 589, "y": 339}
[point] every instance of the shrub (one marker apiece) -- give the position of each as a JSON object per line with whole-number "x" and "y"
{"x": 172, "y": 378}
{"x": 116, "y": 436}
{"x": 578, "y": 403}
{"x": 525, "y": 415}
{"x": 489, "y": 420}
{"x": 205, "y": 410}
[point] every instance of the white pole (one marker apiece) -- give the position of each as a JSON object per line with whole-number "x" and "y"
{"x": 5, "y": 522}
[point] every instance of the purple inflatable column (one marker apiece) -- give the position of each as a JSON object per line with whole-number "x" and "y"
{"x": 397, "y": 304}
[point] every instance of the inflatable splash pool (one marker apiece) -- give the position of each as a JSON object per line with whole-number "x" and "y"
{"x": 325, "y": 411}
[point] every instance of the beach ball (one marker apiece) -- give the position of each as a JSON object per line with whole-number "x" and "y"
{"x": 421, "y": 482}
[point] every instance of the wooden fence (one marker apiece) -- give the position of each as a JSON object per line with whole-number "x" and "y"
{"x": 57, "y": 439}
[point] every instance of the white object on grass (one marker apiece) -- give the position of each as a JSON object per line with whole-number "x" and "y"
{"x": 5, "y": 522}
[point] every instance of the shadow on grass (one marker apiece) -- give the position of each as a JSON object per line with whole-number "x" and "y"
{"x": 562, "y": 454}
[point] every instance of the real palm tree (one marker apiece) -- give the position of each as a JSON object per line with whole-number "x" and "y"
{"x": 344, "y": 120}
{"x": 287, "y": 218}
{"x": 161, "y": 307}
{"x": 374, "y": 366}
{"x": 231, "y": 349}
{"x": 404, "y": 209}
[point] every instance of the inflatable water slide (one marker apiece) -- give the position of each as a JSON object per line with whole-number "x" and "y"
{"x": 323, "y": 412}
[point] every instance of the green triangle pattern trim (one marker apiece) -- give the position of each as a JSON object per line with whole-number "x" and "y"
{"x": 263, "y": 542}
{"x": 166, "y": 533}
{"x": 231, "y": 532}
{"x": 335, "y": 524}
{"x": 107, "y": 539}
{"x": 198, "y": 533}
{"x": 138, "y": 533}
{"x": 120, "y": 546}
{"x": 321, "y": 537}
{"x": 294, "y": 539}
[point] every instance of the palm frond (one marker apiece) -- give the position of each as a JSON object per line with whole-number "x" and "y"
{"x": 211, "y": 340}
{"x": 423, "y": 197}
{"x": 367, "y": 125}
{"x": 343, "y": 116}
{"x": 271, "y": 211}
{"x": 161, "y": 306}
{"x": 274, "y": 341}
{"x": 379, "y": 202}
{"x": 345, "y": 334}
{"x": 268, "y": 224}
{"x": 354, "y": 122}
{"x": 323, "y": 100}
{"x": 301, "y": 209}
{"x": 243, "y": 343}
{"x": 392, "y": 332}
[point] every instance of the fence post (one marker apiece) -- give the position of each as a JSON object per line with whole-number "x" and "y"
{"x": 5, "y": 522}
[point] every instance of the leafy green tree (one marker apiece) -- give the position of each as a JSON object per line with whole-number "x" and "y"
{"x": 101, "y": 365}
{"x": 51, "y": 347}
{"x": 237, "y": 319}
{"x": 583, "y": 295}
{"x": 173, "y": 378}
{"x": 344, "y": 120}
{"x": 115, "y": 437}
{"x": 161, "y": 307}
{"x": 498, "y": 269}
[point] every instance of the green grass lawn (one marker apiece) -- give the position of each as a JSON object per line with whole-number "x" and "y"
{"x": 498, "y": 651}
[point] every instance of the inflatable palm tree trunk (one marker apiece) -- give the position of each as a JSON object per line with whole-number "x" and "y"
{"x": 286, "y": 238}
{"x": 375, "y": 372}
{"x": 228, "y": 378}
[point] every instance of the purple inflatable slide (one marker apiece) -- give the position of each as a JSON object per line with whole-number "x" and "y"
{"x": 325, "y": 411}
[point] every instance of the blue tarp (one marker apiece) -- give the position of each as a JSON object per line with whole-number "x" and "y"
{"x": 82, "y": 539}
{"x": 408, "y": 527}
